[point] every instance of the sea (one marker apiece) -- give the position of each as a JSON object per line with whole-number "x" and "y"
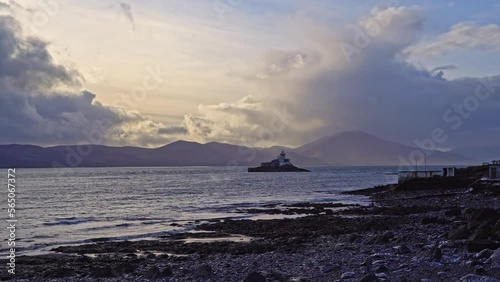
{"x": 83, "y": 205}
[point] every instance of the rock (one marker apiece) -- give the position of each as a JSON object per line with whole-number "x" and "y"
{"x": 479, "y": 245}
{"x": 152, "y": 273}
{"x": 480, "y": 271}
{"x": 486, "y": 253}
{"x": 255, "y": 277}
{"x": 453, "y": 212}
{"x": 347, "y": 275}
{"x": 482, "y": 217}
{"x": 203, "y": 271}
{"x": 482, "y": 232}
{"x": 436, "y": 253}
{"x": 402, "y": 249}
{"x": 385, "y": 238}
{"x": 102, "y": 272}
{"x": 476, "y": 263}
{"x": 378, "y": 262}
{"x": 166, "y": 271}
{"x": 369, "y": 278}
{"x": 477, "y": 278}
{"x": 495, "y": 259}
{"x": 381, "y": 268}
{"x": 460, "y": 233}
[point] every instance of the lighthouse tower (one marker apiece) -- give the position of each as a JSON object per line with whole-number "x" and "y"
{"x": 283, "y": 160}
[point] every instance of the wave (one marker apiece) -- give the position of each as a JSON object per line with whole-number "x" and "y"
{"x": 104, "y": 227}
{"x": 68, "y": 221}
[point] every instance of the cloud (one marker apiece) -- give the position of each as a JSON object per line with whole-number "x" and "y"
{"x": 4, "y": 5}
{"x": 126, "y": 8}
{"x": 441, "y": 68}
{"x": 438, "y": 72}
{"x": 40, "y": 102}
{"x": 173, "y": 130}
{"x": 374, "y": 90}
{"x": 198, "y": 128}
{"x": 277, "y": 62}
{"x": 292, "y": 95}
{"x": 461, "y": 36}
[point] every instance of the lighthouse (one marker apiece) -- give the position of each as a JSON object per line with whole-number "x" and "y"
{"x": 283, "y": 160}
{"x": 280, "y": 164}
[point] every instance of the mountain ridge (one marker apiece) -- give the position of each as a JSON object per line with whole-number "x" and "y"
{"x": 349, "y": 148}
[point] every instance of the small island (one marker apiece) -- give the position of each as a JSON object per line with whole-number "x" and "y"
{"x": 280, "y": 164}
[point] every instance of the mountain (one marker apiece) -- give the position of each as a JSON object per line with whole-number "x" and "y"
{"x": 482, "y": 153}
{"x": 346, "y": 148}
{"x": 179, "y": 153}
{"x": 359, "y": 148}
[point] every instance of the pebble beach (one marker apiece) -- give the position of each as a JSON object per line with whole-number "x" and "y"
{"x": 427, "y": 235}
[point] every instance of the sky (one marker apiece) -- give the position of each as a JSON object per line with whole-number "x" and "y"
{"x": 249, "y": 72}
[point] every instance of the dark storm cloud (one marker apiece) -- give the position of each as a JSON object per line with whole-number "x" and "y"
{"x": 36, "y": 106}
{"x": 25, "y": 62}
{"x": 373, "y": 87}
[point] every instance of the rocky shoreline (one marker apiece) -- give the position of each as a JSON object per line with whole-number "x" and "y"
{"x": 428, "y": 235}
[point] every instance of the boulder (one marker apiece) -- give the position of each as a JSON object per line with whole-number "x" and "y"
{"x": 479, "y": 245}
{"x": 482, "y": 217}
{"x": 482, "y": 232}
{"x": 166, "y": 271}
{"x": 152, "y": 273}
{"x": 436, "y": 253}
{"x": 369, "y": 278}
{"x": 495, "y": 259}
{"x": 255, "y": 277}
{"x": 486, "y": 253}
{"x": 460, "y": 233}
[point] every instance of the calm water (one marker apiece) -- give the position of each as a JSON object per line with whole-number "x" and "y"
{"x": 132, "y": 203}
